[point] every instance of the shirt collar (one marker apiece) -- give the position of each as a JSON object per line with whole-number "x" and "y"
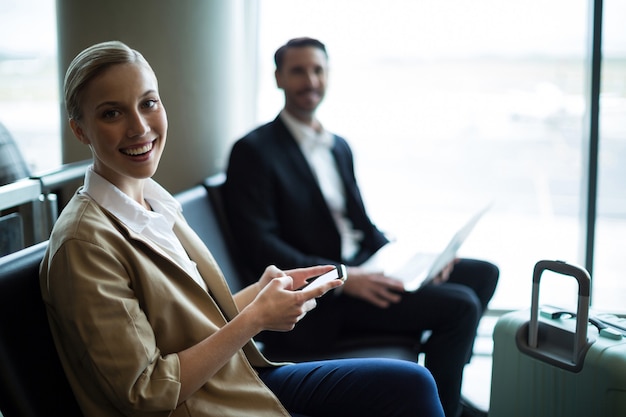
{"x": 306, "y": 135}
{"x": 127, "y": 210}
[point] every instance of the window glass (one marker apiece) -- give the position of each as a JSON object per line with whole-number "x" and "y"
{"x": 609, "y": 283}
{"x": 452, "y": 105}
{"x": 29, "y": 96}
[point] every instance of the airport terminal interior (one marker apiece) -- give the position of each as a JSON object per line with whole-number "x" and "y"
{"x": 448, "y": 107}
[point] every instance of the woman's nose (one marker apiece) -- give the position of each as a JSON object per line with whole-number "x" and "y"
{"x": 137, "y": 125}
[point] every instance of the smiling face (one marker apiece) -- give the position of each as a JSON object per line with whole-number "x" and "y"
{"x": 302, "y": 77}
{"x": 124, "y": 123}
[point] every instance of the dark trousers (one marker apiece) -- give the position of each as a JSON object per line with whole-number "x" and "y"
{"x": 450, "y": 311}
{"x": 355, "y": 387}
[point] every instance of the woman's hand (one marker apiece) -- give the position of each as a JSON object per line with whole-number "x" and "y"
{"x": 299, "y": 275}
{"x": 272, "y": 303}
{"x": 280, "y": 303}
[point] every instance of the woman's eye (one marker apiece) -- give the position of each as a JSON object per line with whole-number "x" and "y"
{"x": 150, "y": 104}
{"x": 110, "y": 114}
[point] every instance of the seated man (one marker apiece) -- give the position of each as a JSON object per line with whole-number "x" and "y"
{"x": 293, "y": 200}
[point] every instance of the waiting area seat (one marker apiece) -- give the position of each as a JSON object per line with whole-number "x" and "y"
{"x": 203, "y": 219}
{"x": 32, "y": 380}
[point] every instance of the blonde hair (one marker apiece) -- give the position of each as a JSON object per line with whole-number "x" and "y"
{"x": 91, "y": 62}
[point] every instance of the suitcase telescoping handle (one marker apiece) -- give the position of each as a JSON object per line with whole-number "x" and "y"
{"x": 582, "y": 314}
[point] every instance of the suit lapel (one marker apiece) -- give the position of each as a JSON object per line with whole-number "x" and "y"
{"x": 295, "y": 165}
{"x": 294, "y": 159}
{"x": 349, "y": 186}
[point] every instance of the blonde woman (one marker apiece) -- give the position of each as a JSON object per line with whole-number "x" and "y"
{"x": 142, "y": 318}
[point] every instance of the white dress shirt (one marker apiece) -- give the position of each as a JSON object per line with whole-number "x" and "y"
{"x": 317, "y": 149}
{"x": 156, "y": 225}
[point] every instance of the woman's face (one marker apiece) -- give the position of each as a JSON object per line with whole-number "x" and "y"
{"x": 124, "y": 123}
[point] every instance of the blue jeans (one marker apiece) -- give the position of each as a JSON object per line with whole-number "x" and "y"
{"x": 355, "y": 387}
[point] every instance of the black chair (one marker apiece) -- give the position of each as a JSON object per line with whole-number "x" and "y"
{"x": 389, "y": 346}
{"x": 32, "y": 380}
{"x": 203, "y": 219}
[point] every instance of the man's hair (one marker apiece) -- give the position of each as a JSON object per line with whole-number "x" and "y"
{"x": 297, "y": 43}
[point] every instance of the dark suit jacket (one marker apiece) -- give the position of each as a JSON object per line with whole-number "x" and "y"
{"x": 276, "y": 209}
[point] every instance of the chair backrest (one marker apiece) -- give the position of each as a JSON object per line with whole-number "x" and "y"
{"x": 214, "y": 185}
{"x": 32, "y": 381}
{"x": 203, "y": 219}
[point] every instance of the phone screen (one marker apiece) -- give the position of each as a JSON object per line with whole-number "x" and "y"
{"x": 327, "y": 277}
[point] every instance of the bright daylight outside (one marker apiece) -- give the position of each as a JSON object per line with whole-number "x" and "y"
{"x": 453, "y": 105}
{"x": 448, "y": 106}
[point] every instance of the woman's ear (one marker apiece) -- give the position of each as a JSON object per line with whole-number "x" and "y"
{"x": 78, "y": 132}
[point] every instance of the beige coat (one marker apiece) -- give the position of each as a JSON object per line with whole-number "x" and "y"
{"x": 120, "y": 308}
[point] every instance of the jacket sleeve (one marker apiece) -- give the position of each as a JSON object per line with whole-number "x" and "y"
{"x": 106, "y": 334}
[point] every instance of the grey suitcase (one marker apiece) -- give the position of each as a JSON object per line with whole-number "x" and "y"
{"x": 550, "y": 364}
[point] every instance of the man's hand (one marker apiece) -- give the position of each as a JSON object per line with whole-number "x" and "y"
{"x": 373, "y": 287}
{"x": 444, "y": 275}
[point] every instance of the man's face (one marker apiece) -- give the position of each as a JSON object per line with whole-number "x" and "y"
{"x": 303, "y": 77}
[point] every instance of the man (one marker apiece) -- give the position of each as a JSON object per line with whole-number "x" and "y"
{"x": 293, "y": 200}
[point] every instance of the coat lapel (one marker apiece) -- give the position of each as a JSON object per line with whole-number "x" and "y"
{"x": 208, "y": 268}
{"x": 220, "y": 295}
{"x": 212, "y": 275}
{"x": 197, "y": 252}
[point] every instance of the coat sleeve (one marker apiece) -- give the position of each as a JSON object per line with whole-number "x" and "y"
{"x": 106, "y": 334}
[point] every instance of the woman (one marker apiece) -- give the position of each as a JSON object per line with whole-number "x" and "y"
{"x": 142, "y": 318}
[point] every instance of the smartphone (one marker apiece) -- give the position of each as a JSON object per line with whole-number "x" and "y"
{"x": 327, "y": 277}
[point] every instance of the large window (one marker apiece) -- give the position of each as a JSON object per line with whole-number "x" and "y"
{"x": 451, "y": 105}
{"x": 610, "y": 288}
{"x": 29, "y": 96}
